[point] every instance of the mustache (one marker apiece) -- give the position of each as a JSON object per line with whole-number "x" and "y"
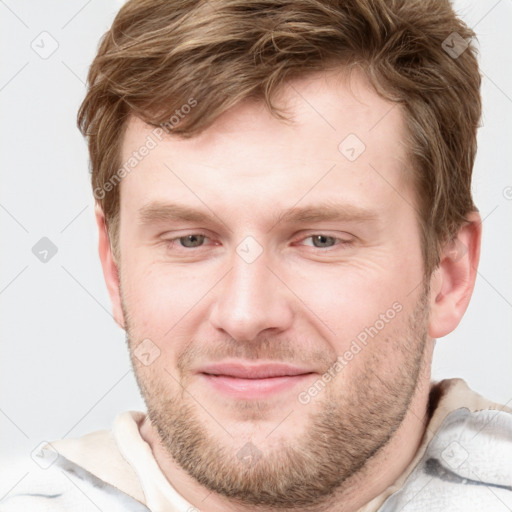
{"x": 265, "y": 348}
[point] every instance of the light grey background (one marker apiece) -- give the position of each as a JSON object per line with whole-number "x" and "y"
{"x": 64, "y": 368}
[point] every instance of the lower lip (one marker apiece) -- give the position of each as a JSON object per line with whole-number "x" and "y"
{"x": 254, "y": 388}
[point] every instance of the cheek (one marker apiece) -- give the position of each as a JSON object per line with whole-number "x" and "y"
{"x": 160, "y": 299}
{"x": 342, "y": 301}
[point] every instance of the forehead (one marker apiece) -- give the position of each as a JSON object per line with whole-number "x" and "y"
{"x": 343, "y": 140}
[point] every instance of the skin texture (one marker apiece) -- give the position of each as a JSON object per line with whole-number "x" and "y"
{"x": 299, "y": 302}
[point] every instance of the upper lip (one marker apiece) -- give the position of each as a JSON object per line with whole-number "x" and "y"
{"x": 259, "y": 371}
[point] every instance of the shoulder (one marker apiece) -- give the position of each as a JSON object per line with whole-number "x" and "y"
{"x": 61, "y": 485}
{"x": 466, "y": 464}
{"x": 450, "y": 394}
{"x": 84, "y": 473}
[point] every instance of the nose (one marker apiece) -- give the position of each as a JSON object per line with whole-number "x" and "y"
{"x": 251, "y": 300}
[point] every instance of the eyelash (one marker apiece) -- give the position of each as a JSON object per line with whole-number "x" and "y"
{"x": 340, "y": 242}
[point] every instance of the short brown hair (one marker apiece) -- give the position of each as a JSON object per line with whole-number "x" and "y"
{"x": 159, "y": 53}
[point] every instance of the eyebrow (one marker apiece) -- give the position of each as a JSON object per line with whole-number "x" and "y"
{"x": 159, "y": 212}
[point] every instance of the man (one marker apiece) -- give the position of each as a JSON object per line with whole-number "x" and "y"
{"x": 286, "y": 227}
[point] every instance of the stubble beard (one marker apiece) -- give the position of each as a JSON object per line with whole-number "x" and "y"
{"x": 348, "y": 427}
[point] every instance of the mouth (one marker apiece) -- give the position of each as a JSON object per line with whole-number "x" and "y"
{"x": 244, "y": 381}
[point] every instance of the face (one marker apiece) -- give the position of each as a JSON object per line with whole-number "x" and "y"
{"x": 272, "y": 290}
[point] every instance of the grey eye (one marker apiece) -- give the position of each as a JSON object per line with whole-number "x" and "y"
{"x": 322, "y": 240}
{"x": 191, "y": 241}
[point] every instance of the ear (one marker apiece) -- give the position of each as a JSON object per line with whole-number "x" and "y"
{"x": 110, "y": 267}
{"x": 453, "y": 281}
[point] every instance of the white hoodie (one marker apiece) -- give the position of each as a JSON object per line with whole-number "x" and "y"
{"x": 464, "y": 463}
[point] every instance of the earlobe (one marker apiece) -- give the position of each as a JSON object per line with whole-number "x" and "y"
{"x": 452, "y": 283}
{"x": 110, "y": 267}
